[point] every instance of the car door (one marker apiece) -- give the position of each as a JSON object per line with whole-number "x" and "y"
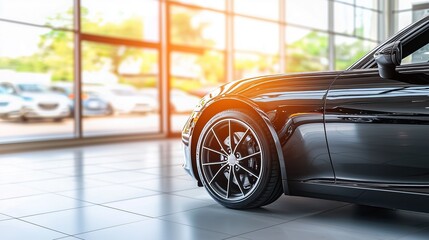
{"x": 378, "y": 129}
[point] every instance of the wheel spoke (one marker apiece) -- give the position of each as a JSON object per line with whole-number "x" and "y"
{"x": 229, "y": 181}
{"x": 239, "y": 184}
{"x": 249, "y": 156}
{"x": 217, "y": 139}
{"x": 231, "y": 139}
{"x": 212, "y": 163}
{"x": 218, "y": 171}
{"x": 245, "y": 169}
{"x": 212, "y": 150}
{"x": 241, "y": 139}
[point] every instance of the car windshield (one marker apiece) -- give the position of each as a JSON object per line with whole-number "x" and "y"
{"x": 34, "y": 88}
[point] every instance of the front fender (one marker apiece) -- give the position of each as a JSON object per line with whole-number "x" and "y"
{"x": 217, "y": 105}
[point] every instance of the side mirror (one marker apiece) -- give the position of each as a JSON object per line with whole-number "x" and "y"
{"x": 388, "y": 58}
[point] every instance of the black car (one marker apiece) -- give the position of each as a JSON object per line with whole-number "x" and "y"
{"x": 359, "y": 135}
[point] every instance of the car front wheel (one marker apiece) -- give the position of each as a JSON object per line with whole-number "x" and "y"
{"x": 237, "y": 161}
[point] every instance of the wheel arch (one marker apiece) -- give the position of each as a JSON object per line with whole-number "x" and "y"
{"x": 223, "y": 104}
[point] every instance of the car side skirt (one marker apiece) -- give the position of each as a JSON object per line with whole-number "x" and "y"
{"x": 387, "y": 197}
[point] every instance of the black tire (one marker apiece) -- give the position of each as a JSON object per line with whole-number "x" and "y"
{"x": 255, "y": 178}
{"x": 110, "y": 110}
{"x": 23, "y": 119}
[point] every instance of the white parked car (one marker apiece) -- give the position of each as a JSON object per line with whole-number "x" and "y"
{"x": 38, "y": 101}
{"x": 181, "y": 101}
{"x": 92, "y": 105}
{"x": 10, "y": 105}
{"x": 125, "y": 99}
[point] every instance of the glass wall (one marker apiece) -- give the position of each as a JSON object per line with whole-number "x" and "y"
{"x": 197, "y": 55}
{"x": 33, "y": 58}
{"x": 120, "y": 67}
{"x": 256, "y": 47}
{"x": 130, "y": 50}
{"x": 127, "y": 19}
{"x": 407, "y": 12}
{"x": 119, "y": 89}
{"x": 355, "y": 30}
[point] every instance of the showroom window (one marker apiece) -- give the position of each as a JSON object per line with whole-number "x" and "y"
{"x": 356, "y": 30}
{"x": 318, "y": 12}
{"x": 32, "y": 60}
{"x": 57, "y": 14}
{"x": 256, "y": 45}
{"x": 407, "y": 12}
{"x": 306, "y": 50}
{"x": 197, "y": 38}
{"x": 267, "y": 9}
{"x": 120, "y": 67}
{"x": 211, "y": 4}
{"x": 119, "y": 89}
{"x": 129, "y": 19}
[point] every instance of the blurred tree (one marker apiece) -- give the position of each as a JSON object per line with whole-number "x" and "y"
{"x": 23, "y": 64}
{"x": 348, "y": 53}
{"x": 248, "y": 65}
{"x": 310, "y": 53}
{"x": 55, "y": 54}
{"x": 57, "y": 47}
{"x": 184, "y": 30}
{"x": 212, "y": 64}
{"x": 209, "y": 64}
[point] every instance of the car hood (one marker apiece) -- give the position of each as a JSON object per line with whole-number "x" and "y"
{"x": 9, "y": 98}
{"x": 46, "y": 97}
{"x": 246, "y": 85}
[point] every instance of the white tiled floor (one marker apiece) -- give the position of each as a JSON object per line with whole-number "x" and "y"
{"x": 139, "y": 191}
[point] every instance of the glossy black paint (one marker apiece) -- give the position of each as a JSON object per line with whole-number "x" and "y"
{"x": 378, "y": 129}
{"x": 349, "y": 136}
{"x": 294, "y": 106}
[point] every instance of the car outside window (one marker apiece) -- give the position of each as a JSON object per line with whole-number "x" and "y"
{"x": 421, "y": 55}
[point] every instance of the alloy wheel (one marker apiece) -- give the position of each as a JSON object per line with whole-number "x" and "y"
{"x": 231, "y": 159}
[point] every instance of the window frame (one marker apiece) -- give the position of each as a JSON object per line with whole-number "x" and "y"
{"x": 405, "y": 36}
